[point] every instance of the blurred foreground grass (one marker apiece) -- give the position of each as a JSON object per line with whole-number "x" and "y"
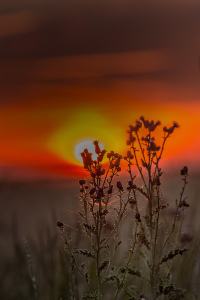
{"x": 31, "y": 210}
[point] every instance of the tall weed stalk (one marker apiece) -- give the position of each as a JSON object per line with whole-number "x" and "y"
{"x": 106, "y": 268}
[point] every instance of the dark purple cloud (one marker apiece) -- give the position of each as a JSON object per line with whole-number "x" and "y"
{"x": 85, "y": 27}
{"x": 48, "y": 29}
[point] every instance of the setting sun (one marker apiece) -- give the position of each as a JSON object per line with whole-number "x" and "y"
{"x": 86, "y": 145}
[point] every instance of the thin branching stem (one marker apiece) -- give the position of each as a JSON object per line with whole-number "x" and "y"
{"x": 141, "y": 149}
{"x": 176, "y": 212}
{"x": 139, "y": 168}
{"x": 121, "y": 286}
{"x": 74, "y": 262}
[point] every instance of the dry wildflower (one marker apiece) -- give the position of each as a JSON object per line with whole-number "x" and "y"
{"x": 132, "y": 201}
{"x": 101, "y": 156}
{"x": 93, "y": 175}
{"x": 100, "y": 192}
{"x": 83, "y": 157}
{"x": 151, "y": 126}
{"x": 97, "y": 148}
{"x": 152, "y": 146}
{"x": 131, "y": 185}
{"x": 137, "y": 216}
{"x": 183, "y": 204}
{"x": 112, "y": 155}
{"x": 184, "y": 171}
{"x": 131, "y": 138}
{"x": 82, "y": 181}
{"x": 110, "y": 190}
{"x": 99, "y": 171}
{"x": 146, "y": 123}
{"x": 176, "y": 124}
{"x": 59, "y": 224}
{"x": 136, "y": 127}
{"x": 156, "y": 181}
{"x": 119, "y": 186}
{"x": 129, "y": 154}
{"x": 92, "y": 191}
{"x": 117, "y": 162}
{"x": 87, "y": 159}
{"x": 171, "y": 129}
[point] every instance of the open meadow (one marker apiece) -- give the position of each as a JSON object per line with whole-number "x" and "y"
{"x": 30, "y": 210}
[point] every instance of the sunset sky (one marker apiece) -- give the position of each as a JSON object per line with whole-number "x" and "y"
{"x": 74, "y": 71}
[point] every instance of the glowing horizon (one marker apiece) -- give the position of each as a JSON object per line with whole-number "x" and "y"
{"x": 46, "y": 144}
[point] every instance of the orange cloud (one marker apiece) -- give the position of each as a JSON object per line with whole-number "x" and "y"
{"x": 96, "y": 65}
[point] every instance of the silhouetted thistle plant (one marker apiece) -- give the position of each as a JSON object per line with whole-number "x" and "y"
{"x": 145, "y": 271}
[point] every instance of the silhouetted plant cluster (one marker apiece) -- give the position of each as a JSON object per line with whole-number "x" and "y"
{"x": 110, "y": 270}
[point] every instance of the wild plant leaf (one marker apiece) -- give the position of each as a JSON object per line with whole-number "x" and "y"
{"x": 104, "y": 265}
{"x": 172, "y": 254}
{"x": 81, "y": 214}
{"x": 169, "y": 289}
{"x": 109, "y": 278}
{"x": 89, "y": 296}
{"x": 113, "y": 278}
{"x": 118, "y": 244}
{"x": 85, "y": 252}
{"x": 90, "y": 228}
{"x": 131, "y": 271}
{"x": 86, "y": 277}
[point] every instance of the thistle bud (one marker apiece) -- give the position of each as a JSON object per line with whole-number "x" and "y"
{"x": 129, "y": 155}
{"x": 119, "y": 185}
{"x": 110, "y": 189}
{"x": 81, "y": 181}
{"x": 117, "y": 162}
{"x": 184, "y": 171}
{"x": 97, "y": 148}
{"x": 92, "y": 191}
{"x": 59, "y": 224}
{"x": 137, "y": 215}
{"x": 108, "y": 155}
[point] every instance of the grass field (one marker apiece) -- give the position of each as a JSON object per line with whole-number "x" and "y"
{"x": 30, "y": 210}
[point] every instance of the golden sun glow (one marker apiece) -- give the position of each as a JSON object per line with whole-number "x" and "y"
{"x": 80, "y": 131}
{"x": 52, "y": 138}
